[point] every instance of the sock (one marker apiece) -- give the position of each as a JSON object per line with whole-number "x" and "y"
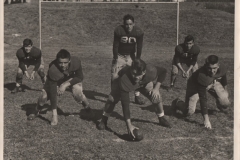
{"x": 106, "y": 114}
{"x": 137, "y": 93}
{"x": 160, "y": 114}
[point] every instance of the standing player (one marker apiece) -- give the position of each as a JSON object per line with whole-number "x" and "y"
{"x": 145, "y": 78}
{"x": 128, "y": 39}
{"x": 65, "y": 71}
{"x": 28, "y": 55}
{"x": 185, "y": 53}
{"x": 210, "y": 78}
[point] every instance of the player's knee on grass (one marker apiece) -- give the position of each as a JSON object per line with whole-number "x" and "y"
{"x": 223, "y": 103}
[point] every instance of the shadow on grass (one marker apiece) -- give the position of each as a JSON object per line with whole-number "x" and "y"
{"x": 92, "y": 95}
{"x": 31, "y": 109}
{"x": 168, "y": 110}
{"x": 11, "y": 86}
{"x": 125, "y": 137}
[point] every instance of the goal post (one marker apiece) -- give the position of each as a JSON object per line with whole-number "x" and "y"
{"x": 103, "y": 2}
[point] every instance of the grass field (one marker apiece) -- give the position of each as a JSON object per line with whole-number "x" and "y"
{"x": 86, "y": 30}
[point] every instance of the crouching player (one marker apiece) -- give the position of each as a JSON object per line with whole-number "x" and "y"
{"x": 209, "y": 78}
{"x": 144, "y": 78}
{"x": 65, "y": 71}
{"x": 185, "y": 53}
{"x": 28, "y": 55}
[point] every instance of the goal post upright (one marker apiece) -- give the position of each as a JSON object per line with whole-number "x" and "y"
{"x": 40, "y": 24}
{"x": 41, "y": 1}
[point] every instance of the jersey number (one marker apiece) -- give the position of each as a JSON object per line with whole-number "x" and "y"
{"x": 128, "y": 39}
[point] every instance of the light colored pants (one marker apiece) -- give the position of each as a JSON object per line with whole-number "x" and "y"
{"x": 149, "y": 87}
{"x": 122, "y": 62}
{"x": 217, "y": 91}
{"x": 77, "y": 91}
{"x": 20, "y": 73}
{"x": 175, "y": 68}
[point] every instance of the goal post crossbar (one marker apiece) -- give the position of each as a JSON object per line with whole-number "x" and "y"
{"x": 41, "y": 1}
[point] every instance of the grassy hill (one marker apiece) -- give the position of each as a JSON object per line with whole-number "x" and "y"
{"x": 90, "y": 24}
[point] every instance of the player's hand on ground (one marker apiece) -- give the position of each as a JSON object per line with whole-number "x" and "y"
{"x": 207, "y": 124}
{"x": 61, "y": 90}
{"x": 32, "y": 76}
{"x": 27, "y": 75}
{"x": 130, "y": 130}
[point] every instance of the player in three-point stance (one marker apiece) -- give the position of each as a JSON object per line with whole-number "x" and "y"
{"x": 210, "y": 78}
{"x": 65, "y": 71}
{"x": 28, "y": 55}
{"x": 145, "y": 78}
{"x": 127, "y": 45}
{"x": 185, "y": 53}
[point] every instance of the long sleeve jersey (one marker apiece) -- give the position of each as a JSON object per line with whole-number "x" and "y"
{"x": 126, "y": 84}
{"x": 191, "y": 55}
{"x": 56, "y": 77}
{"x": 32, "y": 58}
{"x": 201, "y": 80}
{"x": 127, "y": 43}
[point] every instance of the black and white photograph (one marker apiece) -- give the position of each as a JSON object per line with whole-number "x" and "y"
{"x": 119, "y": 79}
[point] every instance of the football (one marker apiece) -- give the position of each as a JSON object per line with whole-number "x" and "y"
{"x": 138, "y": 135}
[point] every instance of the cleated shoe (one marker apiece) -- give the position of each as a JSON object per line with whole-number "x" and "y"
{"x": 139, "y": 100}
{"x": 32, "y": 116}
{"x": 17, "y": 89}
{"x": 103, "y": 124}
{"x": 164, "y": 122}
{"x": 170, "y": 88}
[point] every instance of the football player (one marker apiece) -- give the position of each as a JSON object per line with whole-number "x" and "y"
{"x": 185, "y": 53}
{"x": 65, "y": 71}
{"x": 127, "y": 45}
{"x": 145, "y": 78}
{"x": 212, "y": 78}
{"x": 28, "y": 55}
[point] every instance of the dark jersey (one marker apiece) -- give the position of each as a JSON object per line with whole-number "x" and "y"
{"x": 56, "y": 77}
{"x": 127, "y": 43}
{"x": 201, "y": 80}
{"x": 190, "y": 56}
{"x": 126, "y": 84}
{"x": 32, "y": 58}
{"x": 74, "y": 71}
